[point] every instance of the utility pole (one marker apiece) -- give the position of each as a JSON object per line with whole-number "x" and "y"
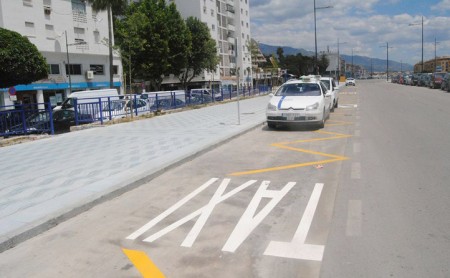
{"x": 387, "y": 60}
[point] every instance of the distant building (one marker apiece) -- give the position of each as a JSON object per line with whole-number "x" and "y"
{"x": 441, "y": 64}
{"x": 229, "y": 25}
{"x": 45, "y": 23}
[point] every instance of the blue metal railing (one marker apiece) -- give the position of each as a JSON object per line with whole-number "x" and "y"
{"x": 27, "y": 119}
{"x": 23, "y": 119}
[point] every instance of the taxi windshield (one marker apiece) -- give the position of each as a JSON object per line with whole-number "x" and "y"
{"x": 299, "y": 89}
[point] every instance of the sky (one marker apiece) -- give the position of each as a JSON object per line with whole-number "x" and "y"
{"x": 365, "y": 27}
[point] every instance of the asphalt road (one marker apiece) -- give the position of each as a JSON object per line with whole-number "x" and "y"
{"x": 391, "y": 215}
{"x": 367, "y": 196}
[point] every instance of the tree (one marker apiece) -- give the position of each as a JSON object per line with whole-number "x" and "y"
{"x": 203, "y": 55}
{"x": 180, "y": 41}
{"x": 109, "y": 5}
{"x": 20, "y": 60}
{"x": 158, "y": 42}
{"x": 323, "y": 63}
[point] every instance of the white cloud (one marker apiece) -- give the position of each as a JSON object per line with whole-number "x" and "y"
{"x": 291, "y": 23}
{"x": 442, "y": 6}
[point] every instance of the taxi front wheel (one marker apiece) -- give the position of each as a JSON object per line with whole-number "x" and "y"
{"x": 322, "y": 123}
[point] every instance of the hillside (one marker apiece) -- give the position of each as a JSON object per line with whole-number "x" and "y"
{"x": 378, "y": 65}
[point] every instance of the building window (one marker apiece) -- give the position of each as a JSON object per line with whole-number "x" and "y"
{"x": 212, "y": 12}
{"x": 49, "y": 31}
{"x": 213, "y": 27}
{"x": 97, "y": 69}
{"x": 29, "y": 27}
{"x": 75, "y": 69}
{"x": 28, "y": 3}
{"x": 53, "y": 69}
{"x": 79, "y": 33}
{"x": 243, "y": 36}
{"x": 79, "y": 5}
{"x": 97, "y": 36}
{"x": 115, "y": 69}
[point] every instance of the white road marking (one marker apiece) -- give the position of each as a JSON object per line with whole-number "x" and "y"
{"x": 249, "y": 221}
{"x": 190, "y": 238}
{"x": 355, "y": 171}
{"x": 173, "y": 208}
{"x": 297, "y": 249}
{"x": 354, "y": 218}
{"x": 197, "y": 212}
{"x": 348, "y": 105}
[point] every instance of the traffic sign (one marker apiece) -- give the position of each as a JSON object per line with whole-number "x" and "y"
{"x": 12, "y": 91}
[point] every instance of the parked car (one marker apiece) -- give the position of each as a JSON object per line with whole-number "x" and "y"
{"x": 406, "y": 79}
{"x": 424, "y": 79}
{"x": 415, "y": 79}
{"x": 303, "y": 101}
{"x": 39, "y": 122}
{"x": 331, "y": 85}
{"x": 167, "y": 103}
{"x": 205, "y": 92}
{"x": 350, "y": 82}
{"x": 436, "y": 80}
{"x": 121, "y": 107}
{"x": 446, "y": 82}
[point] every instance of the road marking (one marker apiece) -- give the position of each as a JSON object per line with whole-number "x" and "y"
{"x": 348, "y": 105}
{"x": 296, "y": 248}
{"x": 249, "y": 221}
{"x": 169, "y": 211}
{"x": 190, "y": 216}
{"x": 284, "y": 145}
{"x": 355, "y": 171}
{"x": 143, "y": 263}
{"x": 354, "y": 218}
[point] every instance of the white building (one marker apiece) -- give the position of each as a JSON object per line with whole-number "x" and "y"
{"x": 229, "y": 25}
{"x": 45, "y": 23}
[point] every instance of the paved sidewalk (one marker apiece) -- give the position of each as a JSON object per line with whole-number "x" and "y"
{"x": 45, "y": 182}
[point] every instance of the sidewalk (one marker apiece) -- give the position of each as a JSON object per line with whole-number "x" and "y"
{"x": 45, "y": 182}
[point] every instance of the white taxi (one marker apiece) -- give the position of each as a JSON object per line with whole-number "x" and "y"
{"x": 303, "y": 101}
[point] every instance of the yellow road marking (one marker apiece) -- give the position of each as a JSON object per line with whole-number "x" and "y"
{"x": 143, "y": 263}
{"x": 284, "y": 145}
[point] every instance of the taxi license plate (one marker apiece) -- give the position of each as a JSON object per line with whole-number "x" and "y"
{"x": 291, "y": 116}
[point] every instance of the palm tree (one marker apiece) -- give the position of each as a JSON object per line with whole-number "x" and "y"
{"x": 109, "y": 5}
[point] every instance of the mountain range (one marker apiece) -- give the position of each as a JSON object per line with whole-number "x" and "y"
{"x": 375, "y": 64}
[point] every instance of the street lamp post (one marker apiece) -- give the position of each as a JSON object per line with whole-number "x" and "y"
{"x": 315, "y": 35}
{"x": 68, "y": 60}
{"x": 353, "y": 72}
{"x": 435, "y": 60}
{"x": 415, "y": 24}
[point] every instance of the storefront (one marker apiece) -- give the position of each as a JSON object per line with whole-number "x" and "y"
{"x": 55, "y": 93}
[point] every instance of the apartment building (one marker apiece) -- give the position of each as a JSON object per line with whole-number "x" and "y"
{"x": 65, "y": 32}
{"x": 440, "y": 64}
{"x": 229, "y": 25}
